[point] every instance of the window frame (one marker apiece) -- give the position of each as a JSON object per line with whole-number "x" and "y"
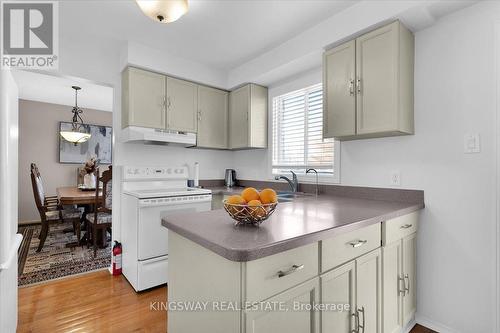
{"x": 303, "y": 178}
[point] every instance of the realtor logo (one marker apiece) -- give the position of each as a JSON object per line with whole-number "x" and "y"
{"x": 29, "y": 34}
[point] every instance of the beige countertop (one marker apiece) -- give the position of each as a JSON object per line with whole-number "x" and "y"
{"x": 300, "y": 222}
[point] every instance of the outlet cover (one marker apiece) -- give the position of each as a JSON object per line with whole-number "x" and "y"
{"x": 395, "y": 178}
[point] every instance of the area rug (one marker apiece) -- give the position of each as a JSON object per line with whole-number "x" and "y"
{"x": 56, "y": 260}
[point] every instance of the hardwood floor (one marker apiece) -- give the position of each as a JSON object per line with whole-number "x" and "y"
{"x": 95, "y": 302}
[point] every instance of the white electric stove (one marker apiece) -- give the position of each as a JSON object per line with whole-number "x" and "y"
{"x": 148, "y": 195}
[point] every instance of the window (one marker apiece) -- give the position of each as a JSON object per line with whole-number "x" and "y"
{"x": 298, "y": 142}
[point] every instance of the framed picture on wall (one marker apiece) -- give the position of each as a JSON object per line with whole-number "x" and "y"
{"x": 99, "y": 145}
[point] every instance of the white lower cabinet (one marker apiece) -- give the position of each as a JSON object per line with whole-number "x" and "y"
{"x": 399, "y": 273}
{"x": 355, "y": 288}
{"x": 291, "y": 311}
{"x": 409, "y": 277}
{"x": 338, "y": 287}
{"x": 370, "y": 290}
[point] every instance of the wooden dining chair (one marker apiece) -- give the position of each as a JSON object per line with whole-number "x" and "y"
{"x": 101, "y": 218}
{"x": 50, "y": 208}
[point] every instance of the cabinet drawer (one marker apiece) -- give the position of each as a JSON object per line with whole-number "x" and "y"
{"x": 344, "y": 247}
{"x": 271, "y": 275}
{"x": 399, "y": 227}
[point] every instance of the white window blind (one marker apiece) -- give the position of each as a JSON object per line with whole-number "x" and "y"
{"x": 297, "y": 133}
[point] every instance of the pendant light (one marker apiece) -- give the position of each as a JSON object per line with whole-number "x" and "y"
{"x": 78, "y": 133}
{"x": 163, "y": 11}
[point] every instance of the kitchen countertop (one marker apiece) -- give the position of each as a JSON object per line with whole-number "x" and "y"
{"x": 300, "y": 222}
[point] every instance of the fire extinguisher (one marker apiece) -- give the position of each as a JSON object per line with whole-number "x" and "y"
{"x": 117, "y": 258}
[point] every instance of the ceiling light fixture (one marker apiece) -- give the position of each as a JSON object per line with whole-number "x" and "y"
{"x": 78, "y": 133}
{"x": 163, "y": 11}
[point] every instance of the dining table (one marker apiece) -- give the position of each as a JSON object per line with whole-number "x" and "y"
{"x": 72, "y": 195}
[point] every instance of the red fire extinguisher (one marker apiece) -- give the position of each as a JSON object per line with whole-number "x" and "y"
{"x": 117, "y": 258}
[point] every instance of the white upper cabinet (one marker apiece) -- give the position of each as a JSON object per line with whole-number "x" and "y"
{"x": 222, "y": 120}
{"x": 143, "y": 98}
{"x": 182, "y": 105}
{"x": 338, "y": 85}
{"x": 381, "y": 101}
{"x": 212, "y": 118}
{"x": 248, "y": 117}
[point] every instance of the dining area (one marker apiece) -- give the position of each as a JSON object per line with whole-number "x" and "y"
{"x": 74, "y": 232}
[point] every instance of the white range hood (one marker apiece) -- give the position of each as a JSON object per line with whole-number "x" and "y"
{"x": 157, "y": 136}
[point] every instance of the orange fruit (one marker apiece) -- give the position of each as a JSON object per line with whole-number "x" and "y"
{"x": 250, "y": 194}
{"x": 268, "y": 196}
{"x": 236, "y": 200}
{"x": 256, "y": 209}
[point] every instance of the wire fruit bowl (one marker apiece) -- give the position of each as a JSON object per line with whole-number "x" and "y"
{"x": 254, "y": 215}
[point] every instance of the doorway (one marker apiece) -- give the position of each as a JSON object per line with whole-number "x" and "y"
{"x": 56, "y": 200}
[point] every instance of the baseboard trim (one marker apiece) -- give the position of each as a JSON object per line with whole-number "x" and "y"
{"x": 410, "y": 326}
{"x": 433, "y": 325}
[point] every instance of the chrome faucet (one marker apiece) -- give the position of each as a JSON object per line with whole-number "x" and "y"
{"x": 294, "y": 184}
{"x": 316, "y": 172}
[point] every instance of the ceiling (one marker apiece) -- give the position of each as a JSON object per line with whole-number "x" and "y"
{"x": 219, "y": 33}
{"x": 57, "y": 90}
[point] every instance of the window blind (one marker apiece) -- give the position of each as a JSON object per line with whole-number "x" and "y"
{"x": 298, "y": 142}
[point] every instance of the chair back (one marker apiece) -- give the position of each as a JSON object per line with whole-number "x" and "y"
{"x": 106, "y": 203}
{"x": 37, "y": 184}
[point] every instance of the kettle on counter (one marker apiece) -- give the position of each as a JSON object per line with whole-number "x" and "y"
{"x": 230, "y": 178}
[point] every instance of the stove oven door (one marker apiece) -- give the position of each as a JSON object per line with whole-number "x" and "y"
{"x": 152, "y": 237}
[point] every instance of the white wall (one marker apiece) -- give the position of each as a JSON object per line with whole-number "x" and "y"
{"x": 455, "y": 93}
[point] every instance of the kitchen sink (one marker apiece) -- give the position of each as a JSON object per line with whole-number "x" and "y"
{"x": 286, "y": 196}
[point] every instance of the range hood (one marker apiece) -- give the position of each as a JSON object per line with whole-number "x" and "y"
{"x": 158, "y": 136}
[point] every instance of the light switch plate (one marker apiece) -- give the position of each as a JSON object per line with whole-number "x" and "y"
{"x": 472, "y": 144}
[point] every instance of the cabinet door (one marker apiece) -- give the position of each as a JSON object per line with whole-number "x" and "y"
{"x": 292, "y": 321}
{"x": 410, "y": 275}
{"x": 338, "y": 287}
{"x": 377, "y": 80}
{"x": 339, "y": 103}
{"x": 144, "y": 96}
{"x": 212, "y": 120}
{"x": 392, "y": 287}
{"x": 182, "y": 105}
{"x": 368, "y": 291}
{"x": 258, "y": 117}
{"x": 239, "y": 107}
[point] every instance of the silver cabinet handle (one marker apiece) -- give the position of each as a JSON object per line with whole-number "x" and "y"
{"x": 406, "y": 226}
{"x": 168, "y": 102}
{"x": 351, "y": 87}
{"x": 358, "y": 85}
{"x": 357, "y": 243}
{"x": 407, "y": 286}
{"x": 293, "y": 269}
{"x": 362, "y": 310}
{"x": 199, "y": 114}
{"x": 356, "y": 322}
{"x": 401, "y": 291}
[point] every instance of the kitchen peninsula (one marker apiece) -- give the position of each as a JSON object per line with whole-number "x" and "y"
{"x": 332, "y": 250}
